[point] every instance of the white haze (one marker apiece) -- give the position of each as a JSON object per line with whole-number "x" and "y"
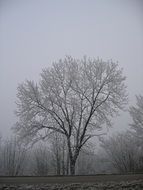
{"x": 34, "y": 33}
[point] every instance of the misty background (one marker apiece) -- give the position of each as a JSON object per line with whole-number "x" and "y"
{"x": 35, "y": 33}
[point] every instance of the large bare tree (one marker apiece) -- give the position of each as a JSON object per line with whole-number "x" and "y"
{"x": 75, "y": 98}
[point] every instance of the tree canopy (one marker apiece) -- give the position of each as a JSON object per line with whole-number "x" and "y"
{"x": 74, "y": 97}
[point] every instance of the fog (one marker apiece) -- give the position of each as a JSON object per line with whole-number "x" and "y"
{"x": 35, "y": 33}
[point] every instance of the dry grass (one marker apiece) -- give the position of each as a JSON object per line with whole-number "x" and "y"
{"x": 133, "y": 185}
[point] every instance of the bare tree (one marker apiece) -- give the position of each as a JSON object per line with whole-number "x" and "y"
{"x": 122, "y": 152}
{"x": 0, "y": 154}
{"x": 41, "y": 161}
{"x": 13, "y": 158}
{"x": 136, "y": 113}
{"x": 59, "y": 153}
{"x": 75, "y": 98}
{"x": 86, "y": 163}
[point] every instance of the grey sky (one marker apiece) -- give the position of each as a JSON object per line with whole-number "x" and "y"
{"x": 33, "y": 33}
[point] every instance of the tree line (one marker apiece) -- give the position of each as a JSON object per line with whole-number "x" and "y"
{"x": 120, "y": 153}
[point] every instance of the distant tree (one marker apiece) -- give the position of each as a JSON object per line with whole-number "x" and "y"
{"x": 0, "y": 154}
{"x": 59, "y": 154}
{"x": 0, "y": 137}
{"x": 0, "y": 140}
{"x": 86, "y": 163}
{"x": 122, "y": 151}
{"x": 13, "y": 158}
{"x": 136, "y": 113}
{"x": 41, "y": 161}
{"x": 75, "y": 98}
{"x": 91, "y": 162}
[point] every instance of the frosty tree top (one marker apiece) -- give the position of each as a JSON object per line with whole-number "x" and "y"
{"x": 75, "y": 98}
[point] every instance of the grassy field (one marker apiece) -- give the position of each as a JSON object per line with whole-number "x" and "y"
{"x": 132, "y": 185}
{"x": 70, "y": 179}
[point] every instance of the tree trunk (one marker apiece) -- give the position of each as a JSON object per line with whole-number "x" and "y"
{"x": 58, "y": 167}
{"x": 72, "y": 167}
{"x": 67, "y": 164}
{"x": 72, "y": 157}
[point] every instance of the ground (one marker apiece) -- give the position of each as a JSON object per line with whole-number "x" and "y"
{"x": 98, "y": 182}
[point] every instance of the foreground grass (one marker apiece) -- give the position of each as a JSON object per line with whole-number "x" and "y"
{"x": 69, "y": 179}
{"x": 132, "y": 185}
